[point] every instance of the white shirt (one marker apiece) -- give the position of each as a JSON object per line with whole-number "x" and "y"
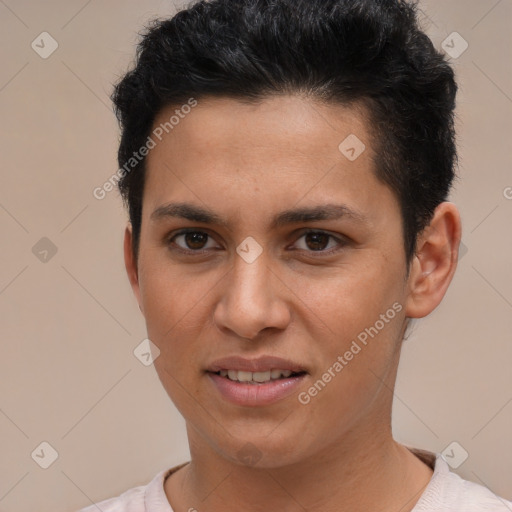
{"x": 446, "y": 492}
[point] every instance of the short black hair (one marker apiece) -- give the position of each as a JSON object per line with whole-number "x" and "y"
{"x": 352, "y": 52}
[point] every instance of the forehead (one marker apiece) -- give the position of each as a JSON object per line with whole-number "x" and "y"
{"x": 282, "y": 126}
{"x": 283, "y": 148}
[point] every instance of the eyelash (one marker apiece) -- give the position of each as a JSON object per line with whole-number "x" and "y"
{"x": 191, "y": 252}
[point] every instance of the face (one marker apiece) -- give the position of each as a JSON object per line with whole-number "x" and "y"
{"x": 288, "y": 247}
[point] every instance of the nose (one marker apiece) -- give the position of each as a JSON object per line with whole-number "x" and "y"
{"x": 253, "y": 299}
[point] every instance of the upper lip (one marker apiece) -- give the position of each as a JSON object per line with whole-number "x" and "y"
{"x": 260, "y": 364}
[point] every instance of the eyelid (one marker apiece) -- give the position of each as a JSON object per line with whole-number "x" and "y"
{"x": 340, "y": 240}
{"x": 169, "y": 239}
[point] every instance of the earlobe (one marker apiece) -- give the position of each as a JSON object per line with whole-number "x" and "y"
{"x": 434, "y": 262}
{"x": 131, "y": 265}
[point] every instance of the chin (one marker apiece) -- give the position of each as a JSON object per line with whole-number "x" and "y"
{"x": 263, "y": 452}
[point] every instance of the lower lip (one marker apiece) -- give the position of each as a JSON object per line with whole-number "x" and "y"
{"x": 241, "y": 393}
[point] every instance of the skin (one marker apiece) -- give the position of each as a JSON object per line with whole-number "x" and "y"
{"x": 247, "y": 163}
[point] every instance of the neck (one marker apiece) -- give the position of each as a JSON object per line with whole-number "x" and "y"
{"x": 355, "y": 473}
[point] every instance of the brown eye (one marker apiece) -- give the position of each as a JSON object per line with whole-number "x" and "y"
{"x": 320, "y": 242}
{"x": 192, "y": 240}
{"x": 196, "y": 240}
{"x": 317, "y": 241}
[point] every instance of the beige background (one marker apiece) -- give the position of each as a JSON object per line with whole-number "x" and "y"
{"x": 70, "y": 325}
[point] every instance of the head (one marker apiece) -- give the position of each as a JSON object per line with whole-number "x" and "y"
{"x": 316, "y": 136}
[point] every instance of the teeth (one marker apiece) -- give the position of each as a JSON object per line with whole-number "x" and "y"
{"x": 261, "y": 376}
{"x": 243, "y": 376}
{"x": 275, "y": 374}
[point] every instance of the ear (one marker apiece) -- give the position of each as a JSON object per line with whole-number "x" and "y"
{"x": 434, "y": 262}
{"x": 131, "y": 265}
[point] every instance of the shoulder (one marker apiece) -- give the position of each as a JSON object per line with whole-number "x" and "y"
{"x": 131, "y": 500}
{"x": 136, "y": 498}
{"x": 448, "y": 492}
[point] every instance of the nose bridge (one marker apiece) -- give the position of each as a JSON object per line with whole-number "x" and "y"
{"x": 249, "y": 303}
{"x": 250, "y": 273}
{"x": 250, "y": 284}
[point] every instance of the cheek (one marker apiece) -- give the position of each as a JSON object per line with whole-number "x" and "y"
{"x": 174, "y": 315}
{"x": 357, "y": 317}
{"x": 168, "y": 294}
{"x": 357, "y": 355}
{"x": 173, "y": 370}
{"x": 166, "y": 300}
{"x": 350, "y": 299}
{"x": 177, "y": 309}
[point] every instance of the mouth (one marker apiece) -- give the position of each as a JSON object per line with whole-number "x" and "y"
{"x": 258, "y": 378}
{"x": 256, "y": 382}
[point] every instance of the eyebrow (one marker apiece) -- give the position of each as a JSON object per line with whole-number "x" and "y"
{"x": 293, "y": 216}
